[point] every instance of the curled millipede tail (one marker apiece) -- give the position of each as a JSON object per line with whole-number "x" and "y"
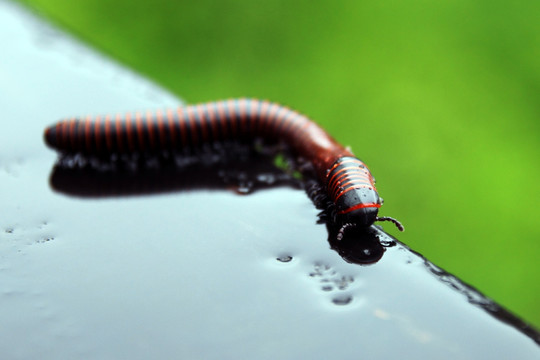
{"x": 342, "y": 230}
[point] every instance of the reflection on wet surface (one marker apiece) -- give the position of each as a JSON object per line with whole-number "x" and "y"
{"x": 197, "y": 274}
{"x": 240, "y": 169}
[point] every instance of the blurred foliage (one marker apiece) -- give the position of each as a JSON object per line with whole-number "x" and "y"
{"x": 441, "y": 99}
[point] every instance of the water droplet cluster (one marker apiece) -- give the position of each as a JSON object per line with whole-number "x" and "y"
{"x": 331, "y": 281}
{"x": 328, "y": 280}
{"x": 16, "y": 235}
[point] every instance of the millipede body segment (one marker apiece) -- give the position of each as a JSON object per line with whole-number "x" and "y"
{"x": 347, "y": 180}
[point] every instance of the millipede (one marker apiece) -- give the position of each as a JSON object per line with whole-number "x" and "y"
{"x": 347, "y": 181}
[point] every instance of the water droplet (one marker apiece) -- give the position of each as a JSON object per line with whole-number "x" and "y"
{"x": 244, "y": 187}
{"x": 342, "y": 300}
{"x": 284, "y": 258}
{"x": 44, "y": 240}
{"x": 268, "y": 179}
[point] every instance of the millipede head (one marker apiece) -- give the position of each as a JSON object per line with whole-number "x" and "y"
{"x": 348, "y": 225}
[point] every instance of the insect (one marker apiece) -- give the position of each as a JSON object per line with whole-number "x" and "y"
{"x": 346, "y": 179}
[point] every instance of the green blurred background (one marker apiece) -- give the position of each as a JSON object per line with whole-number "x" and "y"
{"x": 441, "y": 99}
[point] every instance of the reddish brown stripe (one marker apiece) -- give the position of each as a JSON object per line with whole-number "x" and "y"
{"x": 172, "y": 131}
{"x": 229, "y": 105}
{"x": 341, "y": 193}
{"x": 108, "y": 135}
{"x": 254, "y": 108}
{"x": 280, "y": 116}
{"x": 72, "y": 135}
{"x": 356, "y": 183}
{"x": 97, "y": 133}
{"x": 119, "y": 141}
{"x": 161, "y": 128}
{"x": 213, "y": 123}
{"x": 202, "y": 123}
{"x": 140, "y": 130}
{"x": 273, "y": 111}
{"x": 87, "y": 137}
{"x": 183, "y": 126}
{"x": 80, "y": 144}
{"x": 148, "y": 119}
{"x": 222, "y": 118}
{"x": 347, "y": 174}
{"x": 288, "y": 122}
{"x": 130, "y": 124}
{"x": 338, "y": 176}
{"x": 300, "y": 130}
{"x": 192, "y": 125}
{"x": 352, "y": 183}
{"x": 265, "y": 105}
{"x": 243, "y": 116}
{"x": 359, "y": 206}
{"x": 339, "y": 163}
{"x": 60, "y": 133}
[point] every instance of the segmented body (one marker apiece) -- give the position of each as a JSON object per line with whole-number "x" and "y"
{"x": 347, "y": 179}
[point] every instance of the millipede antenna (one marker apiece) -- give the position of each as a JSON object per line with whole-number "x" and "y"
{"x": 387, "y": 218}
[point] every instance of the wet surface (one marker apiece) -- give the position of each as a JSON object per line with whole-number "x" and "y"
{"x": 175, "y": 264}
